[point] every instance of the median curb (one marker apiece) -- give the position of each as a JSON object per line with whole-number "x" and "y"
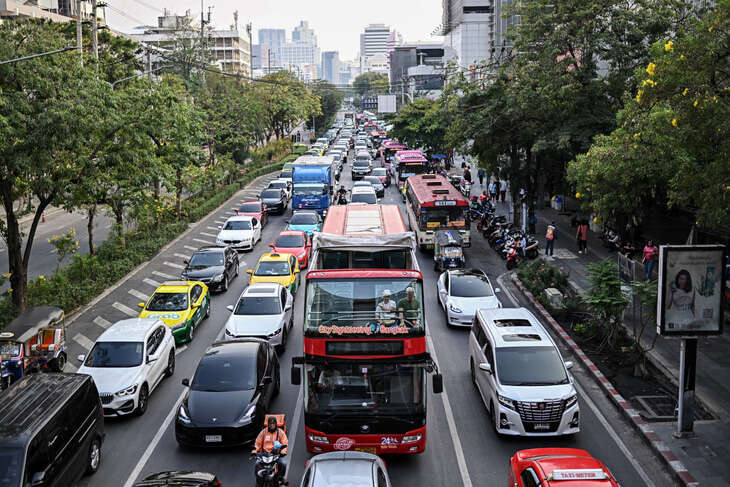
{"x": 72, "y": 316}
{"x": 659, "y": 447}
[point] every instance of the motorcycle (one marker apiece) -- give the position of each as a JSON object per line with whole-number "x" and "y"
{"x": 341, "y": 197}
{"x": 513, "y": 258}
{"x": 267, "y": 468}
{"x": 465, "y": 187}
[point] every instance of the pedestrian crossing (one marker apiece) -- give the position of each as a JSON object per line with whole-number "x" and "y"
{"x": 138, "y": 295}
{"x": 124, "y": 309}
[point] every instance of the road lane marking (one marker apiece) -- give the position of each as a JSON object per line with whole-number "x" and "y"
{"x": 208, "y": 234}
{"x": 163, "y": 275}
{"x": 181, "y": 256}
{"x": 190, "y": 248}
{"x": 102, "y": 322}
{"x": 180, "y": 350}
{"x": 138, "y": 295}
{"x": 125, "y": 309}
{"x": 206, "y": 242}
{"x": 212, "y": 228}
{"x": 506, "y": 291}
{"x": 616, "y": 438}
{"x": 455, "y": 440}
{"x": 151, "y": 282}
{"x": 294, "y": 426}
{"x": 173, "y": 265}
{"x": 242, "y": 264}
{"x": 69, "y": 367}
{"x": 85, "y": 343}
{"x": 155, "y": 440}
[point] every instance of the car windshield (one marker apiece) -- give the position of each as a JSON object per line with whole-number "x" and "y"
{"x": 272, "y": 268}
{"x": 11, "y": 466}
{"x": 277, "y": 185}
{"x": 286, "y": 174}
{"x": 304, "y": 219}
{"x": 470, "y": 286}
{"x": 290, "y": 241}
{"x": 368, "y": 198}
{"x": 309, "y": 189}
{"x": 528, "y": 366}
{"x": 361, "y": 162}
{"x": 115, "y": 354}
{"x": 271, "y": 193}
{"x": 258, "y": 305}
{"x": 225, "y": 373}
{"x": 206, "y": 259}
{"x": 362, "y": 387}
{"x": 10, "y": 349}
{"x": 359, "y": 306}
{"x": 379, "y": 171}
{"x": 372, "y": 179}
{"x": 237, "y": 225}
{"x": 168, "y": 302}
{"x": 250, "y": 208}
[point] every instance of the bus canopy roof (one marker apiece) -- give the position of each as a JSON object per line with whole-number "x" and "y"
{"x": 391, "y": 144}
{"x": 410, "y": 156}
{"x": 434, "y": 190}
{"x": 363, "y": 242}
{"x": 349, "y": 220}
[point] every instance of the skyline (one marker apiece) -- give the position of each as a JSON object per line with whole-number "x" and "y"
{"x": 337, "y": 28}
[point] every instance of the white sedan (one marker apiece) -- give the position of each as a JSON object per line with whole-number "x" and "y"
{"x": 127, "y": 362}
{"x": 239, "y": 232}
{"x": 462, "y": 292}
{"x": 264, "y": 310}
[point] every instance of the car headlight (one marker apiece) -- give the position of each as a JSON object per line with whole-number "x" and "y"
{"x": 219, "y": 241}
{"x": 276, "y": 333}
{"x": 229, "y": 333}
{"x": 506, "y": 402}
{"x": 178, "y": 326}
{"x": 571, "y": 401}
{"x": 218, "y": 278}
{"x": 454, "y": 308}
{"x": 182, "y": 415}
{"x": 247, "y": 417}
{"x": 128, "y": 391}
{"x": 301, "y": 256}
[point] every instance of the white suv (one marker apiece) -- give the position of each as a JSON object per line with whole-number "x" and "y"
{"x": 128, "y": 361}
{"x": 521, "y": 376}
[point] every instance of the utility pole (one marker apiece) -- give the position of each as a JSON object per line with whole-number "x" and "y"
{"x": 78, "y": 31}
{"x": 269, "y": 69}
{"x": 249, "y": 29}
{"x": 149, "y": 68}
{"x": 94, "y": 32}
{"x": 202, "y": 37}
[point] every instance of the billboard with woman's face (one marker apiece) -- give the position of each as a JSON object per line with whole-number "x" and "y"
{"x": 690, "y": 290}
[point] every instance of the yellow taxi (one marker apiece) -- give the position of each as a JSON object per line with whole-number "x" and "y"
{"x": 181, "y": 305}
{"x": 279, "y": 268}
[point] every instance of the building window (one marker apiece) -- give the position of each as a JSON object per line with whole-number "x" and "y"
{"x": 478, "y": 10}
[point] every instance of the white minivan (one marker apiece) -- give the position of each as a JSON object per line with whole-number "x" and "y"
{"x": 521, "y": 376}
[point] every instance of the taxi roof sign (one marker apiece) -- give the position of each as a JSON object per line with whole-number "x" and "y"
{"x": 578, "y": 474}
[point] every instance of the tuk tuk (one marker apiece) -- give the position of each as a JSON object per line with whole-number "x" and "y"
{"x": 34, "y": 341}
{"x": 448, "y": 250}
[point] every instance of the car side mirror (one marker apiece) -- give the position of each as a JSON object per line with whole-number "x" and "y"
{"x": 229, "y": 307}
{"x": 297, "y": 271}
{"x": 141, "y": 305}
{"x": 438, "y": 384}
{"x": 485, "y": 367}
{"x": 250, "y": 271}
{"x": 81, "y": 358}
{"x": 186, "y": 382}
{"x": 267, "y": 379}
{"x": 186, "y": 261}
{"x": 271, "y": 245}
{"x": 151, "y": 359}
{"x": 39, "y": 478}
{"x": 296, "y": 376}
{"x": 497, "y": 290}
{"x": 220, "y": 227}
{"x": 288, "y": 305}
{"x": 569, "y": 364}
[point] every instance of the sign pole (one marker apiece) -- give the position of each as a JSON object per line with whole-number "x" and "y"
{"x": 687, "y": 372}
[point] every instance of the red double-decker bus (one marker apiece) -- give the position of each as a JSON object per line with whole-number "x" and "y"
{"x": 365, "y": 360}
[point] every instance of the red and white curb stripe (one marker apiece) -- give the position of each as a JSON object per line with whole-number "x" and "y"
{"x": 639, "y": 423}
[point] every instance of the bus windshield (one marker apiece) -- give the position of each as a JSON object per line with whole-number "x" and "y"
{"x": 443, "y": 217}
{"x": 364, "y": 388}
{"x": 364, "y": 307}
{"x": 407, "y": 170}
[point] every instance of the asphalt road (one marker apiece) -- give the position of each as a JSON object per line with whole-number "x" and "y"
{"x": 461, "y": 448}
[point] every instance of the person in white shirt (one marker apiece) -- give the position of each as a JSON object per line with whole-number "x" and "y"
{"x": 503, "y": 189}
{"x": 385, "y": 310}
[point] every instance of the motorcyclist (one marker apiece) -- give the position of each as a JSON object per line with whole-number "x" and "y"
{"x": 342, "y": 196}
{"x": 266, "y": 440}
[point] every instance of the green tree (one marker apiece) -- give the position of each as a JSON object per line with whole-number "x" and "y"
{"x": 421, "y": 124}
{"x": 330, "y": 102}
{"x": 371, "y": 84}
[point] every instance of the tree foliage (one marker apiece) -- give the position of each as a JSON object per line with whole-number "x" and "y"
{"x": 421, "y": 124}
{"x": 371, "y": 83}
{"x": 330, "y": 102}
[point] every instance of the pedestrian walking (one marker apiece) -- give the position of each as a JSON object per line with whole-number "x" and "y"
{"x": 650, "y": 254}
{"x": 582, "y": 236}
{"x": 502, "y": 189}
{"x": 550, "y": 238}
{"x": 480, "y": 175}
{"x": 467, "y": 175}
{"x": 493, "y": 191}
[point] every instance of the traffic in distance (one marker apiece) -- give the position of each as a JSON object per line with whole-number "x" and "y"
{"x": 322, "y": 369}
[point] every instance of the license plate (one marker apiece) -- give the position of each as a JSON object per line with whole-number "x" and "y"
{"x": 366, "y": 449}
{"x": 542, "y": 427}
{"x": 213, "y": 438}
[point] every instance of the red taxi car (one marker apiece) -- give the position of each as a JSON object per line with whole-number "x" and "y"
{"x": 254, "y": 208}
{"x": 558, "y": 467}
{"x": 295, "y": 242}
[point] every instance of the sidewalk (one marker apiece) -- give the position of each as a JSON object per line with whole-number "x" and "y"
{"x": 704, "y": 456}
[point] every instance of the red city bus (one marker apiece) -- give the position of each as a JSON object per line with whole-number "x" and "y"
{"x": 365, "y": 361}
{"x": 432, "y": 203}
{"x": 409, "y": 163}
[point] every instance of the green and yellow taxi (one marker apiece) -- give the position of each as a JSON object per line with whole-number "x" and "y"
{"x": 281, "y": 268}
{"x": 181, "y": 305}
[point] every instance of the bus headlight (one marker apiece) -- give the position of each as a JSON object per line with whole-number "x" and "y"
{"x": 318, "y": 439}
{"x": 411, "y": 438}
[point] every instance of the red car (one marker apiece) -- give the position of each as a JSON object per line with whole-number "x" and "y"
{"x": 254, "y": 208}
{"x": 565, "y": 467}
{"x": 295, "y": 242}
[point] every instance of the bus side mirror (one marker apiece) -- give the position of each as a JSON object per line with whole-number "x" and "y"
{"x": 296, "y": 376}
{"x": 438, "y": 384}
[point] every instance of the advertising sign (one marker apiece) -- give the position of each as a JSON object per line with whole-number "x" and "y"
{"x": 386, "y": 104}
{"x": 691, "y": 283}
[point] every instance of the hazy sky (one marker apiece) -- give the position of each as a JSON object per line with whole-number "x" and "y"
{"x": 337, "y": 24}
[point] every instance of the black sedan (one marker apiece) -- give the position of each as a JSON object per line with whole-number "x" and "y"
{"x": 229, "y": 394}
{"x": 180, "y": 478}
{"x": 274, "y": 200}
{"x": 215, "y": 266}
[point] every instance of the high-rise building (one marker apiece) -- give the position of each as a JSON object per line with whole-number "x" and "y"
{"x": 273, "y": 39}
{"x": 331, "y": 66}
{"x": 298, "y": 54}
{"x": 54, "y": 10}
{"x": 374, "y": 40}
{"x": 260, "y": 55}
{"x": 302, "y": 33}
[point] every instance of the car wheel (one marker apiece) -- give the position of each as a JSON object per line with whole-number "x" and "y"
{"x": 207, "y": 312}
{"x": 191, "y": 332}
{"x": 170, "y": 370}
{"x": 58, "y": 363}
{"x": 142, "y": 401}
{"x": 473, "y": 373}
{"x": 237, "y": 269}
{"x": 225, "y": 283}
{"x": 284, "y": 336}
{"x": 94, "y": 458}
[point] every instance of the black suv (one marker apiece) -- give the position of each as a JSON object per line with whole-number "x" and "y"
{"x": 215, "y": 266}
{"x": 274, "y": 200}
